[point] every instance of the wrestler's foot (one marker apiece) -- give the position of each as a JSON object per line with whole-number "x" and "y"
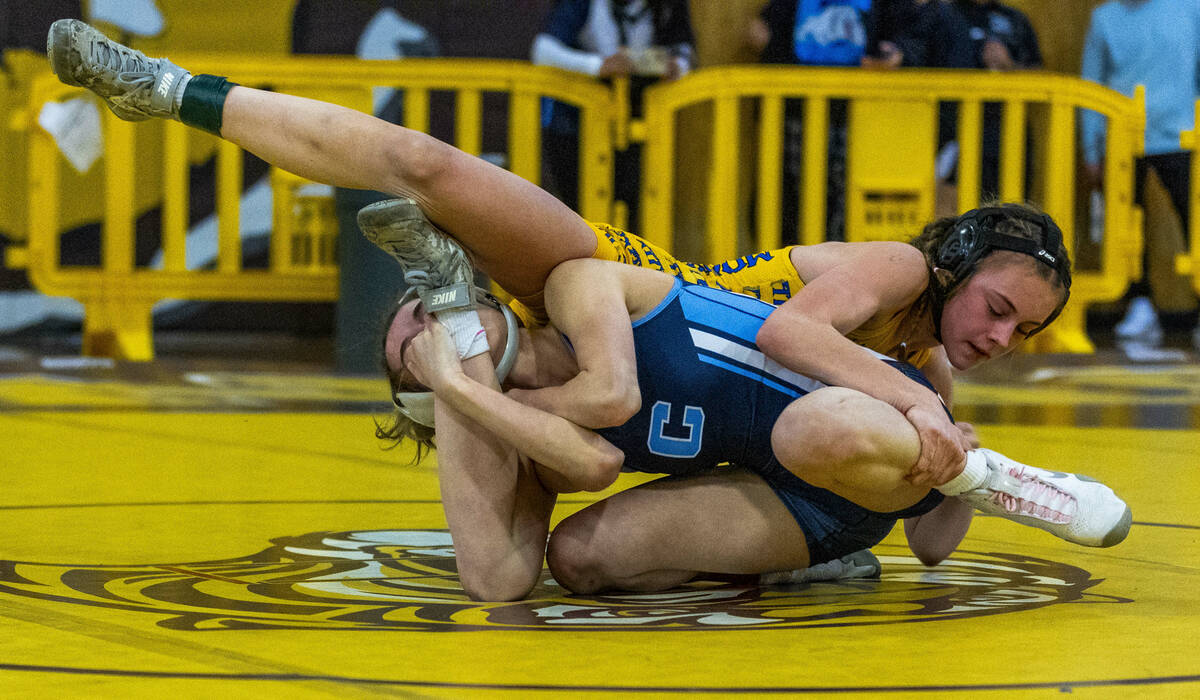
{"x": 135, "y": 87}
{"x": 431, "y": 260}
{"x": 1076, "y": 508}
{"x": 860, "y": 564}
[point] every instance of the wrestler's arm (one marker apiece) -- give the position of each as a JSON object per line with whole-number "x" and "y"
{"x": 935, "y": 535}
{"x": 498, "y": 512}
{"x": 587, "y": 300}
{"x": 807, "y": 334}
{"x": 583, "y": 459}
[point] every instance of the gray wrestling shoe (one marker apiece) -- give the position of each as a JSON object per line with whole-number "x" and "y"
{"x": 860, "y": 564}
{"x": 135, "y": 87}
{"x": 431, "y": 260}
{"x": 1076, "y": 508}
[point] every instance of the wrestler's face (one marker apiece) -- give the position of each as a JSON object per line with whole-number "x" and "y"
{"x": 997, "y": 308}
{"x": 406, "y": 324}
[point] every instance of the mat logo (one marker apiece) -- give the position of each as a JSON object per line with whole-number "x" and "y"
{"x": 406, "y": 580}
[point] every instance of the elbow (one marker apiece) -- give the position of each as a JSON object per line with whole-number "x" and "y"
{"x": 616, "y": 408}
{"x": 496, "y": 592}
{"x": 603, "y": 470}
{"x": 770, "y": 337}
{"x": 497, "y": 580}
{"x": 499, "y": 584}
{"x": 933, "y": 551}
{"x": 931, "y": 557}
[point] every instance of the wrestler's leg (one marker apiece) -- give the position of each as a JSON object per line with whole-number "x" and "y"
{"x": 516, "y": 231}
{"x": 852, "y": 444}
{"x": 862, "y": 449}
{"x": 662, "y": 533}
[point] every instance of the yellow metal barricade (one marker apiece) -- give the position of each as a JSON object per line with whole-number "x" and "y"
{"x": 119, "y": 293}
{"x": 892, "y": 134}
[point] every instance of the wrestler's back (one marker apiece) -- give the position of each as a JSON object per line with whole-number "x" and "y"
{"x": 708, "y": 394}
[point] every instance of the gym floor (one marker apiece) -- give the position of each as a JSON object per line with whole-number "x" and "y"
{"x": 223, "y": 527}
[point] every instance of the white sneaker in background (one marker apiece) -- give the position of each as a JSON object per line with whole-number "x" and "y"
{"x": 1140, "y": 324}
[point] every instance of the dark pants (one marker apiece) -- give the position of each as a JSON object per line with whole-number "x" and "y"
{"x": 1174, "y": 170}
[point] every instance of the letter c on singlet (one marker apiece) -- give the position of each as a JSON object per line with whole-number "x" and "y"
{"x": 666, "y": 446}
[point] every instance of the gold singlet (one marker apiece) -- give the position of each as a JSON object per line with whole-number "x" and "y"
{"x": 769, "y": 276}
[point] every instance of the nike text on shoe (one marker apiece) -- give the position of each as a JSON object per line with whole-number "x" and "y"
{"x": 1075, "y": 508}
{"x": 135, "y": 87}
{"x": 431, "y": 260}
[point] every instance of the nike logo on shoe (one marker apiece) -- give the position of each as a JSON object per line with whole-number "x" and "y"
{"x": 164, "y": 86}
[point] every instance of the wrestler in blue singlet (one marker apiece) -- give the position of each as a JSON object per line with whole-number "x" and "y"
{"x": 716, "y": 403}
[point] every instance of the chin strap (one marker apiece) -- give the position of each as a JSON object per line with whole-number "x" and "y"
{"x": 418, "y": 405}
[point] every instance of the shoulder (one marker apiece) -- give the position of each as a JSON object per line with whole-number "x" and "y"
{"x": 812, "y": 260}
{"x": 598, "y": 276}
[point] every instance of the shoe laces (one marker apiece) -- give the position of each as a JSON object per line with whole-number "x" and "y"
{"x": 122, "y": 60}
{"x": 1021, "y": 492}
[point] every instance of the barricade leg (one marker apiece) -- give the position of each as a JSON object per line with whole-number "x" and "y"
{"x": 119, "y": 329}
{"x": 1068, "y": 334}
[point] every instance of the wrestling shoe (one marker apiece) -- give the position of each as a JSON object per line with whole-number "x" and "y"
{"x": 135, "y": 87}
{"x": 860, "y": 564}
{"x": 431, "y": 260}
{"x": 1075, "y": 508}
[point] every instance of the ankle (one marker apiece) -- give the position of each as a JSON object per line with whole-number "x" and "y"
{"x": 973, "y": 475}
{"x": 201, "y": 101}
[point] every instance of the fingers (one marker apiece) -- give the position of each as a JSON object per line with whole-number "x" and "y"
{"x": 970, "y": 439}
{"x": 941, "y": 459}
{"x": 431, "y": 354}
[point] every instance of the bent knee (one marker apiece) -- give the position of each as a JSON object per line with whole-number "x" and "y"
{"x": 827, "y": 424}
{"x": 835, "y": 426}
{"x": 419, "y": 159}
{"x": 573, "y": 562}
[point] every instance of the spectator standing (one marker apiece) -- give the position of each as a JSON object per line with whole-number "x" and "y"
{"x": 646, "y": 40}
{"x": 1155, "y": 43}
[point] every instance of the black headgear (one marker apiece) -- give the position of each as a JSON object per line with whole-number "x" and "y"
{"x": 973, "y": 236}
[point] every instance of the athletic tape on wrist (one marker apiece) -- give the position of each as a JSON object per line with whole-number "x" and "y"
{"x": 454, "y": 308}
{"x": 466, "y": 330}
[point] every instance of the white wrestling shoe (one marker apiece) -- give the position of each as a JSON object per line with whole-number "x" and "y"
{"x": 860, "y": 564}
{"x": 431, "y": 260}
{"x": 1076, "y": 508}
{"x": 134, "y": 86}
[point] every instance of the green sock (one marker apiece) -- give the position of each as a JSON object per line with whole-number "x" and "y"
{"x": 204, "y": 101}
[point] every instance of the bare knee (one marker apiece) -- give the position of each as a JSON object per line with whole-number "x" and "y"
{"x": 823, "y": 432}
{"x": 417, "y": 160}
{"x": 574, "y": 561}
{"x": 825, "y": 426}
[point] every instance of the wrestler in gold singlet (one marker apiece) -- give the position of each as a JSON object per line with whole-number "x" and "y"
{"x": 768, "y": 275}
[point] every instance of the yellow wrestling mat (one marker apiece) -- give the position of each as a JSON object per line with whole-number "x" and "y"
{"x": 241, "y": 534}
